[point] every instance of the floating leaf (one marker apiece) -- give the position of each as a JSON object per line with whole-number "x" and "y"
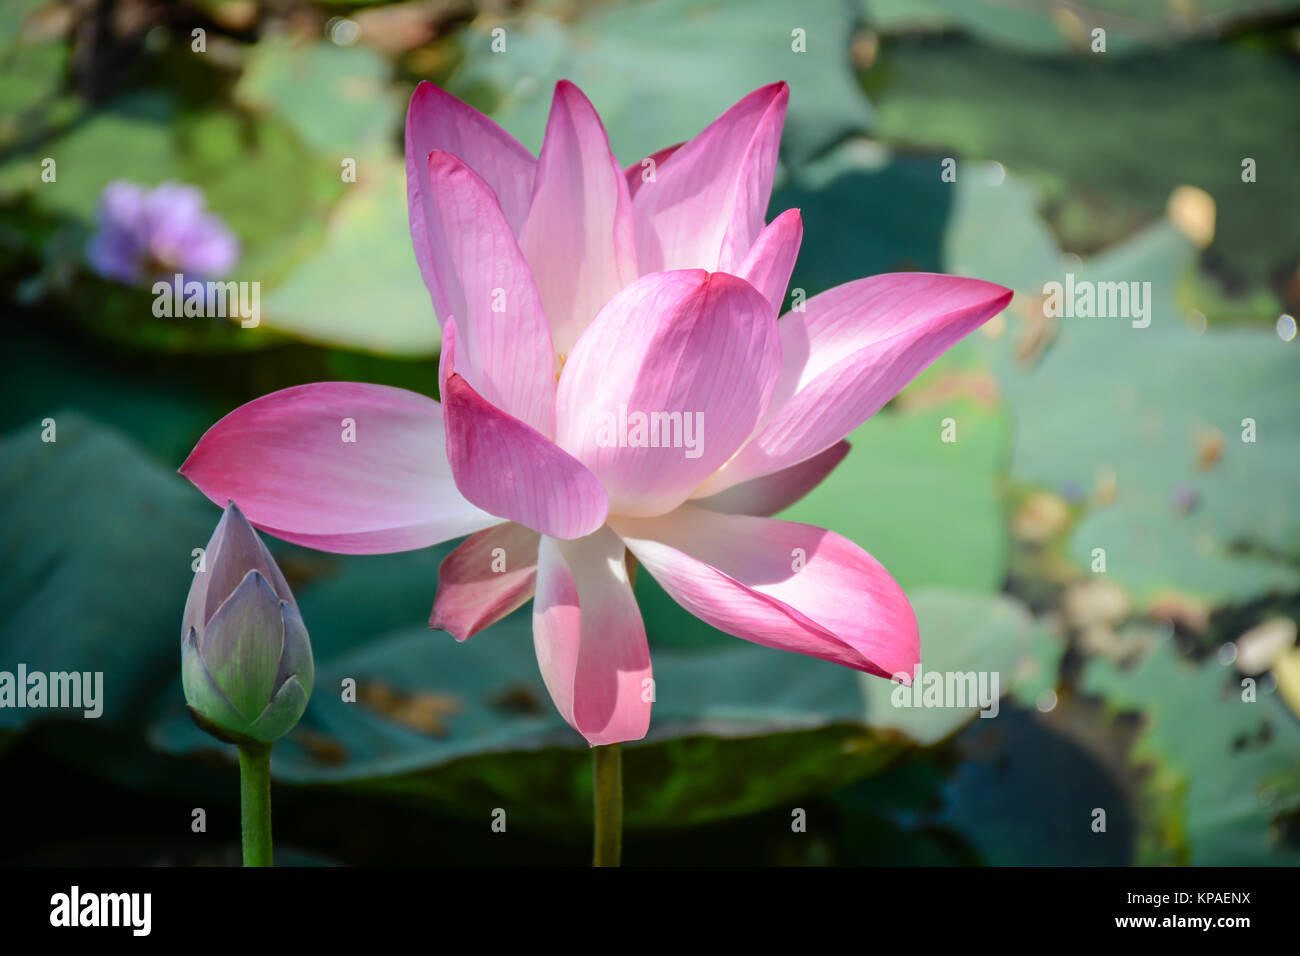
{"x": 159, "y": 409}
{"x": 1100, "y": 404}
{"x": 1052, "y": 28}
{"x": 362, "y": 289}
{"x": 337, "y": 97}
{"x": 33, "y": 62}
{"x": 971, "y": 101}
{"x": 644, "y": 66}
{"x": 965, "y": 634}
{"x": 1221, "y": 772}
{"x": 96, "y": 543}
{"x": 462, "y": 726}
{"x": 902, "y": 199}
{"x": 925, "y": 508}
{"x": 132, "y": 139}
{"x": 499, "y": 739}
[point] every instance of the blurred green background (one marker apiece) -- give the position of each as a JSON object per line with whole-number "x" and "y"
{"x": 1122, "y": 690}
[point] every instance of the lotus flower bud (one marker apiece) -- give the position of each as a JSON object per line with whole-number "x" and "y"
{"x": 246, "y": 660}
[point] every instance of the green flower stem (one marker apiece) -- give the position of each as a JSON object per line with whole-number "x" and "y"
{"x": 607, "y": 767}
{"x": 255, "y": 803}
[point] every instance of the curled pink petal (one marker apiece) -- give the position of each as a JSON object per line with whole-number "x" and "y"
{"x": 489, "y": 575}
{"x": 338, "y": 466}
{"x": 590, "y": 639}
{"x": 771, "y": 259}
{"x": 666, "y": 383}
{"x": 578, "y": 234}
{"x": 488, "y": 289}
{"x": 849, "y": 352}
{"x": 770, "y": 494}
{"x": 510, "y": 469}
{"x": 786, "y": 585}
{"x": 706, "y": 207}
{"x": 437, "y": 120}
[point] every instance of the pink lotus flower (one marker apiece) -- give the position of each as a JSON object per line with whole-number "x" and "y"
{"x": 574, "y": 295}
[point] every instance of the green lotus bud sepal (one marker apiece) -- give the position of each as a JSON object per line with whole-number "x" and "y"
{"x": 246, "y": 662}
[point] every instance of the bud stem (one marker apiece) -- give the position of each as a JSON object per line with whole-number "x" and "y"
{"x": 607, "y": 775}
{"x": 255, "y": 803}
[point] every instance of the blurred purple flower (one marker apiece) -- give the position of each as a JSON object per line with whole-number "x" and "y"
{"x": 146, "y": 233}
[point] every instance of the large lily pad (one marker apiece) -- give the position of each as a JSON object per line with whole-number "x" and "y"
{"x": 159, "y": 410}
{"x": 865, "y": 211}
{"x": 1220, "y": 773}
{"x": 467, "y": 728}
{"x": 470, "y": 727}
{"x": 129, "y": 140}
{"x": 337, "y": 97}
{"x": 644, "y": 66}
{"x": 1072, "y": 125}
{"x": 1057, "y": 28}
{"x": 361, "y": 289}
{"x": 988, "y": 202}
{"x": 96, "y": 543}
{"x": 993, "y": 636}
{"x": 927, "y": 509}
{"x": 257, "y": 177}
{"x": 1156, "y": 412}
{"x": 33, "y": 62}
